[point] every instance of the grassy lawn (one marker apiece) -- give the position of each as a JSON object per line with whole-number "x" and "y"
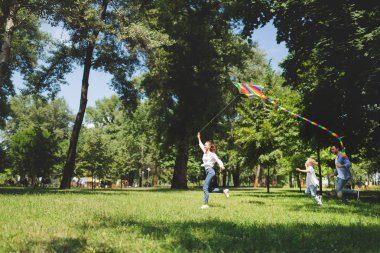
{"x": 162, "y": 220}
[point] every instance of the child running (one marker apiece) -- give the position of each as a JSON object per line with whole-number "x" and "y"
{"x": 311, "y": 180}
{"x": 209, "y": 160}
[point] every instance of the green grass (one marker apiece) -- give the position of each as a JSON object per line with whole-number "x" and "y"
{"x": 162, "y": 220}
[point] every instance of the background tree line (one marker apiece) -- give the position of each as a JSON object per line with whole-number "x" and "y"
{"x": 189, "y": 52}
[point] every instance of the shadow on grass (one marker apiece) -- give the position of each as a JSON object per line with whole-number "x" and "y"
{"x": 41, "y": 191}
{"x": 74, "y": 245}
{"x": 67, "y": 245}
{"x": 268, "y": 195}
{"x": 340, "y": 207}
{"x": 365, "y": 196}
{"x": 253, "y": 202}
{"x": 222, "y": 236}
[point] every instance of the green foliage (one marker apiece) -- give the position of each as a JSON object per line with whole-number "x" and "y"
{"x": 191, "y": 77}
{"x": 22, "y": 44}
{"x": 333, "y": 62}
{"x": 248, "y": 14}
{"x": 131, "y": 138}
{"x": 256, "y": 132}
{"x": 93, "y": 156}
{"x": 54, "y": 117}
{"x": 32, "y": 153}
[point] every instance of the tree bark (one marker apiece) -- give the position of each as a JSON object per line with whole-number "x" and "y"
{"x": 179, "y": 180}
{"x": 274, "y": 178}
{"x": 299, "y": 181}
{"x": 228, "y": 175}
{"x": 291, "y": 180}
{"x": 130, "y": 178}
{"x": 8, "y": 19}
{"x": 71, "y": 154}
{"x": 224, "y": 178}
{"x": 140, "y": 178}
{"x": 268, "y": 180}
{"x": 257, "y": 176}
{"x": 155, "y": 176}
{"x": 236, "y": 176}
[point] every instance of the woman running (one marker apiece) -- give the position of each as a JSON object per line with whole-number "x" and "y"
{"x": 209, "y": 160}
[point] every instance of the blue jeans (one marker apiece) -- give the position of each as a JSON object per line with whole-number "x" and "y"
{"x": 210, "y": 173}
{"x": 312, "y": 190}
{"x": 340, "y": 184}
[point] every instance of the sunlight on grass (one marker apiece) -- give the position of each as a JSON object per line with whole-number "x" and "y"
{"x": 162, "y": 220}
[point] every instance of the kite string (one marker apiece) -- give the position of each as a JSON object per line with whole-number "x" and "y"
{"x": 314, "y": 124}
{"x": 224, "y": 108}
{"x": 251, "y": 91}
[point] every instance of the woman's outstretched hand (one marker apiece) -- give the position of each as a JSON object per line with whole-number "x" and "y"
{"x": 199, "y": 135}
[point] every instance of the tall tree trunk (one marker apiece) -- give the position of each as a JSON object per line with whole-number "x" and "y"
{"x": 155, "y": 176}
{"x": 228, "y": 175}
{"x": 7, "y": 22}
{"x": 299, "y": 181}
{"x": 236, "y": 176}
{"x": 268, "y": 180}
{"x": 93, "y": 181}
{"x": 319, "y": 169}
{"x": 179, "y": 180}
{"x": 291, "y": 180}
{"x": 257, "y": 176}
{"x": 71, "y": 154}
{"x": 274, "y": 178}
{"x": 224, "y": 174}
{"x": 131, "y": 178}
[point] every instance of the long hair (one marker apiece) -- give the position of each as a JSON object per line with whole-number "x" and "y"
{"x": 212, "y": 146}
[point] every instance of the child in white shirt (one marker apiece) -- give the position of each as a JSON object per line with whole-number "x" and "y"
{"x": 311, "y": 180}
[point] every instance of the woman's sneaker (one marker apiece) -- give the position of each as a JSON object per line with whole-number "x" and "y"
{"x": 320, "y": 200}
{"x": 204, "y": 207}
{"x": 226, "y": 192}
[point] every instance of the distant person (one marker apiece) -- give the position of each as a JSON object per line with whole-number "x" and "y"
{"x": 209, "y": 160}
{"x": 311, "y": 180}
{"x": 343, "y": 173}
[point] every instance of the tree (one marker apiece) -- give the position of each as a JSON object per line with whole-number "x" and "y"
{"x": 132, "y": 139}
{"x": 54, "y": 116}
{"x": 333, "y": 57}
{"x": 21, "y": 44}
{"x": 3, "y": 158}
{"x": 104, "y": 35}
{"x": 192, "y": 74}
{"x": 31, "y": 152}
{"x": 93, "y": 156}
{"x": 113, "y": 122}
{"x": 262, "y": 136}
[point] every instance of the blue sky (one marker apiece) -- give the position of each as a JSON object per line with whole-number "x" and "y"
{"x": 99, "y": 81}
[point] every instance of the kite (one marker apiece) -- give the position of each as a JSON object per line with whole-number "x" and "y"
{"x": 254, "y": 91}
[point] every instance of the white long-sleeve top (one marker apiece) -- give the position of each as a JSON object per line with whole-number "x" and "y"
{"x": 311, "y": 178}
{"x": 209, "y": 158}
